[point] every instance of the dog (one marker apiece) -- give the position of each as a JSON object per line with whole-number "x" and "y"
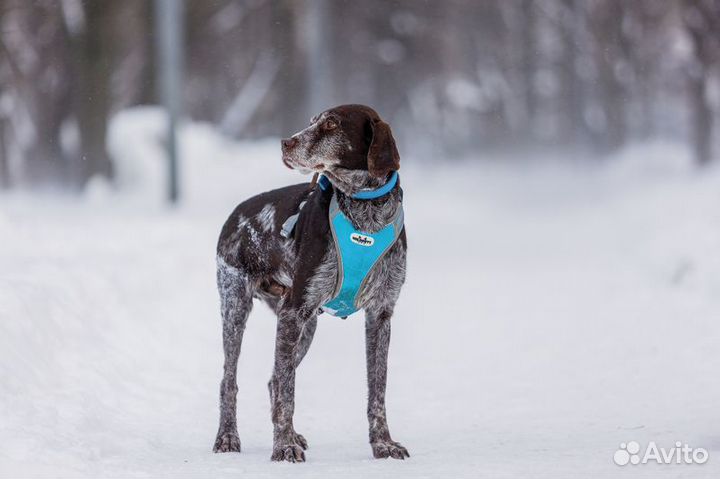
{"x": 296, "y": 275}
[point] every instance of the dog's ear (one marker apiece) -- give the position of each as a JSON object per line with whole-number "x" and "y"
{"x": 383, "y": 156}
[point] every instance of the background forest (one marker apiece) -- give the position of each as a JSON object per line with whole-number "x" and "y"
{"x": 452, "y": 77}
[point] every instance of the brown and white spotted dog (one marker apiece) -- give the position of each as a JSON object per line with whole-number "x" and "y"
{"x": 295, "y": 276}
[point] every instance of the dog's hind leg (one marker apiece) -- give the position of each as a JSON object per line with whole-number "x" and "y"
{"x": 236, "y": 303}
{"x": 306, "y": 338}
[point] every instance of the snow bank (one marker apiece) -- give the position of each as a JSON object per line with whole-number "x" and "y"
{"x": 206, "y": 158}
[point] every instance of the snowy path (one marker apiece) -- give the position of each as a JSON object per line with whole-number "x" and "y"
{"x": 549, "y": 315}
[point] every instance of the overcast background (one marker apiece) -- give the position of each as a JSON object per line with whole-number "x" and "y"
{"x": 453, "y": 77}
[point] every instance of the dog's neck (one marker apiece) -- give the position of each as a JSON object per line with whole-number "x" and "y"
{"x": 366, "y": 215}
{"x": 351, "y": 182}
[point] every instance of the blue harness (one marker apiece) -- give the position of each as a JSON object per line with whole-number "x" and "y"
{"x": 358, "y": 251}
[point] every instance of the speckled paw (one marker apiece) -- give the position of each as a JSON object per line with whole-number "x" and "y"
{"x": 227, "y": 442}
{"x": 383, "y": 450}
{"x": 288, "y": 452}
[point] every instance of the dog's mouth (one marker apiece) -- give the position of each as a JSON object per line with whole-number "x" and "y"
{"x": 319, "y": 168}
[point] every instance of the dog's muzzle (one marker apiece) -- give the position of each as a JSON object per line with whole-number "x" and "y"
{"x": 287, "y": 145}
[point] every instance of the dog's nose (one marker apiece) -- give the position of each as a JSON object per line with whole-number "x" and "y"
{"x": 288, "y": 143}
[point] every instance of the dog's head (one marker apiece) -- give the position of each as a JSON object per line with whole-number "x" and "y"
{"x": 343, "y": 139}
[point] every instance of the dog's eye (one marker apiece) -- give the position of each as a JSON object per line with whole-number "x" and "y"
{"x": 330, "y": 125}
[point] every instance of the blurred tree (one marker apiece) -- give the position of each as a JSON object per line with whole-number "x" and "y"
{"x": 5, "y": 181}
{"x": 146, "y": 21}
{"x": 318, "y": 41}
{"x": 63, "y": 59}
{"x": 34, "y": 52}
{"x": 647, "y": 27}
{"x": 287, "y": 101}
{"x": 702, "y": 22}
{"x": 606, "y": 26}
{"x": 93, "y": 42}
{"x": 528, "y": 59}
{"x": 5, "y": 174}
{"x": 570, "y": 22}
{"x": 451, "y": 76}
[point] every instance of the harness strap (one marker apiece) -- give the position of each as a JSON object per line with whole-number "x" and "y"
{"x": 358, "y": 253}
{"x": 289, "y": 225}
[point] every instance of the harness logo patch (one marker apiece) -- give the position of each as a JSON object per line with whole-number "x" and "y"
{"x": 362, "y": 240}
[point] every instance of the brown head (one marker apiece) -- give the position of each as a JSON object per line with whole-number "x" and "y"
{"x": 344, "y": 138}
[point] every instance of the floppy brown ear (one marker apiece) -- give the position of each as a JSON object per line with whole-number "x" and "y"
{"x": 383, "y": 156}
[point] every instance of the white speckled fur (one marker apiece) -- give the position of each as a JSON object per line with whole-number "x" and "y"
{"x": 266, "y": 218}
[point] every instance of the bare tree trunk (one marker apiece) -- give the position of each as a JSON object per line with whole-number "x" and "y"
{"x": 45, "y": 159}
{"x": 147, "y": 94}
{"x": 701, "y": 21}
{"x": 5, "y": 182}
{"x": 93, "y": 66}
{"x": 702, "y": 119}
{"x": 319, "y": 56}
{"x": 608, "y": 32}
{"x": 571, "y": 104}
{"x": 529, "y": 54}
{"x": 647, "y": 105}
{"x": 292, "y": 79}
{"x": 606, "y": 22}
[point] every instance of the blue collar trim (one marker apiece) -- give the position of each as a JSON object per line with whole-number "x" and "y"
{"x": 324, "y": 184}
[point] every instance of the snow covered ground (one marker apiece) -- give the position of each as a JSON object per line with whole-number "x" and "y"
{"x": 552, "y": 311}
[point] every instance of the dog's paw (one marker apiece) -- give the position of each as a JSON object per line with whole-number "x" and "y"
{"x": 227, "y": 442}
{"x": 383, "y": 450}
{"x": 301, "y": 441}
{"x": 288, "y": 452}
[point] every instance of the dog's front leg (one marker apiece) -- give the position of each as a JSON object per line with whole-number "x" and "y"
{"x": 377, "y": 342}
{"x": 289, "y": 328}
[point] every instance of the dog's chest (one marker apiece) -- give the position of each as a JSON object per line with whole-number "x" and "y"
{"x": 380, "y": 289}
